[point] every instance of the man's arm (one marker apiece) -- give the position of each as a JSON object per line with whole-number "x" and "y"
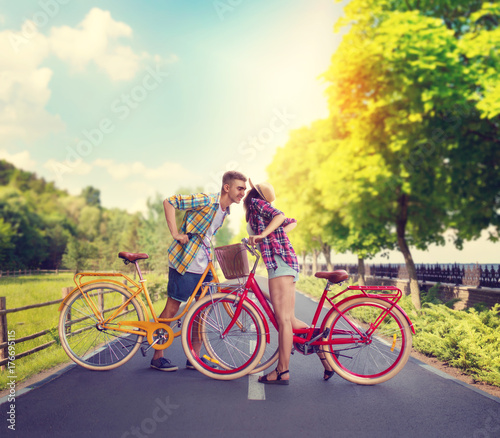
{"x": 172, "y": 224}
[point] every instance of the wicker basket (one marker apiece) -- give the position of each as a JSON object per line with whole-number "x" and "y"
{"x": 233, "y": 260}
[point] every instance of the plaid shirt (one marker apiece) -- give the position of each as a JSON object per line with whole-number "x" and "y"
{"x": 261, "y": 214}
{"x": 201, "y": 211}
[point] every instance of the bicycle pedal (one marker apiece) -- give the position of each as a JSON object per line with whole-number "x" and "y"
{"x": 144, "y": 351}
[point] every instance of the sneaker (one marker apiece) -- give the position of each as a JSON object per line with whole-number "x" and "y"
{"x": 163, "y": 364}
{"x": 190, "y": 366}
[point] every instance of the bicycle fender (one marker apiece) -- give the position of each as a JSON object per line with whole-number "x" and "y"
{"x": 397, "y": 306}
{"x": 66, "y": 298}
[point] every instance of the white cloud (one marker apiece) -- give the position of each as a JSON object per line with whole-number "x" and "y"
{"x": 95, "y": 39}
{"x": 25, "y": 83}
{"x": 60, "y": 169}
{"x": 21, "y": 160}
{"x": 24, "y": 89}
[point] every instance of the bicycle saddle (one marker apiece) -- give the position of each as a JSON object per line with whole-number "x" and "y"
{"x": 132, "y": 257}
{"x": 334, "y": 276}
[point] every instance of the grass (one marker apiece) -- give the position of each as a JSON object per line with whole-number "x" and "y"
{"x": 26, "y": 290}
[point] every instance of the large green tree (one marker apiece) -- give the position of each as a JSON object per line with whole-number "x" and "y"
{"x": 414, "y": 86}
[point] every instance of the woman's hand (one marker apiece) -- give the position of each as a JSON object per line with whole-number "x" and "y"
{"x": 253, "y": 240}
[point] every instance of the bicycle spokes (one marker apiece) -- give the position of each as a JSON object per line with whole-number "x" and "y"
{"x": 368, "y": 342}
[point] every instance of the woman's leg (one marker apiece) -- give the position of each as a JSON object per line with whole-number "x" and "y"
{"x": 296, "y": 323}
{"x": 282, "y": 291}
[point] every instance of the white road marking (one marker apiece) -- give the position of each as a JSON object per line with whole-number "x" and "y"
{"x": 256, "y": 390}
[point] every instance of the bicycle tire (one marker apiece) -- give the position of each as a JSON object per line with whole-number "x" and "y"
{"x": 227, "y": 358}
{"x": 89, "y": 345}
{"x": 377, "y": 358}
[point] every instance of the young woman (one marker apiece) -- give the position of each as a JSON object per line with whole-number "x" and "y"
{"x": 268, "y": 228}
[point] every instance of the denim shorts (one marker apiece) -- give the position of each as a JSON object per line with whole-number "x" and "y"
{"x": 180, "y": 287}
{"x": 282, "y": 270}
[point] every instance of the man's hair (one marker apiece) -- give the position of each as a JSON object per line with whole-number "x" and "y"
{"x": 230, "y": 176}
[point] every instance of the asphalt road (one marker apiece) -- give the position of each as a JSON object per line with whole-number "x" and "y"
{"x": 136, "y": 401}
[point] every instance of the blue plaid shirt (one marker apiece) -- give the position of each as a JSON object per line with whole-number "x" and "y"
{"x": 200, "y": 213}
{"x": 261, "y": 214}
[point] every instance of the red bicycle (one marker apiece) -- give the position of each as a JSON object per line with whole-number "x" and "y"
{"x": 366, "y": 336}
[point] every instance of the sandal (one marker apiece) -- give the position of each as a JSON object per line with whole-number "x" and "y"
{"x": 278, "y": 381}
{"x": 328, "y": 374}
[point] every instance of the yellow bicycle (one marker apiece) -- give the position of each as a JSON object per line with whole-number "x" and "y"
{"x": 103, "y": 322}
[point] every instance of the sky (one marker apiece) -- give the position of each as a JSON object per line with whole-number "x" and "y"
{"x": 145, "y": 98}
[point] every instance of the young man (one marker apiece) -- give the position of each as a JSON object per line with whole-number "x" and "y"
{"x": 204, "y": 215}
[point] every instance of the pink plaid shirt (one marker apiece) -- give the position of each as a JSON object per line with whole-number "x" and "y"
{"x": 261, "y": 213}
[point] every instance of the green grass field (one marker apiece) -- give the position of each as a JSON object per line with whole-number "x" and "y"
{"x": 27, "y": 290}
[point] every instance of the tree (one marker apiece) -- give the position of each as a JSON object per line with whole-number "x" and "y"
{"x": 396, "y": 83}
{"x": 292, "y": 174}
{"x": 92, "y": 196}
{"x": 6, "y": 238}
{"x": 309, "y": 176}
{"x": 79, "y": 255}
{"x": 154, "y": 236}
{"x": 26, "y": 231}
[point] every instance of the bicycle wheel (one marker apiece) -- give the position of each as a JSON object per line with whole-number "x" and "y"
{"x": 367, "y": 358}
{"x": 271, "y": 351}
{"x": 83, "y": 338}
{"x": 228, "y": 357}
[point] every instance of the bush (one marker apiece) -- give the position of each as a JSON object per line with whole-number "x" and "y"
{"x": 467, "y": 340}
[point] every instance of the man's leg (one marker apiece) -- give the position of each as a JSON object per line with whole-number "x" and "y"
{"x": 170, "y": 310}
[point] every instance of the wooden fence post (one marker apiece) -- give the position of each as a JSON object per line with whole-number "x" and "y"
{"x": 65, "y": 293}
{"x": 4, "y": 352}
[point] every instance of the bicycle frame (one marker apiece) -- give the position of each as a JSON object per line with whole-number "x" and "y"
{"x": 142, "y": 328}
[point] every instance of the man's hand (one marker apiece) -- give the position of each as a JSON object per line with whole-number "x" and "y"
{"x": 181, "y": 238}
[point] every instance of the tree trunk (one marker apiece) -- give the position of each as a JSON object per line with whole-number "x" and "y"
{"x": 361, "y": 272}
{"x": 315, "y": 261}
{"x": 305, "y": 269}
{"x": 327, "y": 252}
{"x": 403, "y": 246}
